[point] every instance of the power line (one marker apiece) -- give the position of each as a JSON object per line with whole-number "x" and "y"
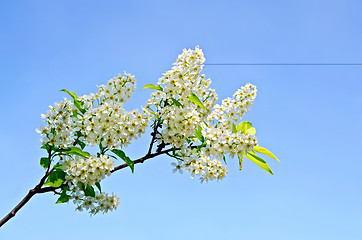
{"x": 282, "y": 64}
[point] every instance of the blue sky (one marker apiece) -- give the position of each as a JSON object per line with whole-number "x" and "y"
{"x": 309, "y": 116}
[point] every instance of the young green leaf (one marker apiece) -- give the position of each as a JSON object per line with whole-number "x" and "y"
{"x": 75, "y": 113}
{"x": 151, "y": 86}
{"x": 77, "y": 103}
{"x": 258, "y": 161}
{"x": 71, "y": 94}
{"x": 177, "y": 103}
{"x": 58, "y": 166}
{"x": 63, "y": 197}
{"x": 195, "y": 99}
{"x": 81, "y": 186}
{"x": 265, "y": 151}
{"x": 98, "y": 185}
{"x": 198, "y": 134}
{"x": 44, "y": 162}
{"x": 46, "y": 147}
{"x": 89, "y": 191}
{"x": 109, "y": 155}
{"x": 233, "y": 129}
{"x": 250, "y": 131}
{"x": 243, "y": 126}
{"x": 123, "y": 156}
{"x": 80, "y": 143}
{"x": 65, "y": 188}
{"x": 56, "y": 178}
{"x": 77, "y": 151}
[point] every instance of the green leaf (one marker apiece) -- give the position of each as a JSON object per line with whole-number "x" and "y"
{"x": 243, "y": 126}
{"x": 81, "y": 186}
{"x": 223, "y": 158}
{"x": 233, "y": 129}
{"x": 250, "y": 131}
{"x": 265, "y": 151}
{"x": 98, "y": 185}
{"x": 63, "y": 197}
{"x": 109, "y": 155}
{"x": 77, "y": 103}
{"x": 58, "y": 166}
{"x": 195, "y": 99}
{"x": 52, "y": 130}
{"x": 46, "y": 147}
{"x": 122, "y": 155}
{"x": 44, "y": 162}
{"x": 56, "y": 178}
{"x": 80, "y": 143}
{"x": 75, "y": 113}
{"x": 240, "y": 156}
{"x": 177, "y": 103}
{"x": 66, "y": 188}
{"x": 89, "y": 191}
{"x": 71, "y": 94}
{"x": 258, "y": 161}
{"x": 198, "y": 134}
{"x": 198, "y": 149}
{"x": 151, "y": 86}
{"x": 77, "y": 151}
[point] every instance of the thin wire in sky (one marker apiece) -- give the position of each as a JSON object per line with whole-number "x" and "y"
{"x": 282, "y": 64}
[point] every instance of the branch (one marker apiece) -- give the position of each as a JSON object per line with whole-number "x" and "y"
{"x": 148, "y": 156}
{"x": 142, "y": 159}
{"x": 37, "y": 189}
{"x": 153, "y": 134}
{"x": 30, "y": 194}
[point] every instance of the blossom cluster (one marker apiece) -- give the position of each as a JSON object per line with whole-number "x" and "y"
{"x": 118, "y": 89}
{"x": 232, "y": 109}
{"x": 221, "y": 138}
{"x": 201, "y": 165}
{"x": 94, "y": 120}
{"x": 101, "y": 202}
{"x": 217, "y": 121}
{"x": 59, "y": 129}
{"x": 180, "y": 115}
{"x": 105, "y": 121}
{"x": 87, "y": 171}
{"x": 221, "y": 142}
{"x": 185, "y": 116}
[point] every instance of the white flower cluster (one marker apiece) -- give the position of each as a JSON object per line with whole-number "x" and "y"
{"x": 58, "y": 131}
{"x": 180, "y": 115}
{"x": 102, "y": 202}
{"x": 221, "y": 139}
{"x": 105, "y": 121}
{"x": 118, "y": 89}
{"x": 198, "y": 164}
{"x": 87, "y": 171}
{"x": 234, "y": 108}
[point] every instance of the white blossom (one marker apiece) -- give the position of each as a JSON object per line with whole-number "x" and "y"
{"x": 101, "y": 202}
{"x": 180, "y": 115}
{"x": 87, "y": 171}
